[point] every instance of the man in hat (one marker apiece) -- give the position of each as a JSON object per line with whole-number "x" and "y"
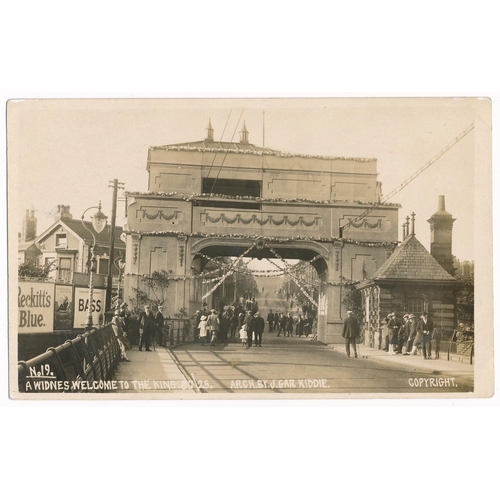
{"x": 351, "y": 333}
{"x": 411, "y": 329}
{"x": 213, "y": 326}
{"x": 392, "y": 330}
{"x": 270, "y": 320}
{"x": 258, "y": 324}
{"x": 146, "y": 327}
{"x": 248, "y": 322}
{"x": 159, "y": 324}
{"x": 402, "y": 336}
{"x": 425, "y": 327}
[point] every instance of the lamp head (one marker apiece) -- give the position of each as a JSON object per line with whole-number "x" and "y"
{"x": 99, "y": 220}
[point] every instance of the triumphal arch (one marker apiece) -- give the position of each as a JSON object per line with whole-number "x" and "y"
{"x": 208, "y": 199}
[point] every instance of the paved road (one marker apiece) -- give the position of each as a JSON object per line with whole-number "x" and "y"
{"x": 297, "y": 365}
{"x": 286, "y": 365}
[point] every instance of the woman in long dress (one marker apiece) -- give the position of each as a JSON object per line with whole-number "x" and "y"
{"x": 120, "y": 335}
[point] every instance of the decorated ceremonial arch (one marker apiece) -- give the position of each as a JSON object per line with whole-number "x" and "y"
{"x": 210, "y": 199}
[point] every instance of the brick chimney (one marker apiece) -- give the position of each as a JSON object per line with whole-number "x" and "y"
{"x": 29, "y": 226}
{"x": 441, "y": 236}
{"x": 63, "y": 213}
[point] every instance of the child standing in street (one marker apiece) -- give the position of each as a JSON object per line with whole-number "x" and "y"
{"x": 203, "y": 329}
{"x": 243, "y": 334}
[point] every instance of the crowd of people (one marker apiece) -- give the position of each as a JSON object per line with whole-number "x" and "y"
{"x": 247, "y": 324}
{"x": 151, "y": 328}
{"x": 288, "y": 323}
{"x": 411, "y": 336}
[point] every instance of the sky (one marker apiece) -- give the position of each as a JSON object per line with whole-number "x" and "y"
{"x": 65, "y": 152}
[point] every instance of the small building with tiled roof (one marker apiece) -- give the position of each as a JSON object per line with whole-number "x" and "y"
{"x": 410, "y": 281}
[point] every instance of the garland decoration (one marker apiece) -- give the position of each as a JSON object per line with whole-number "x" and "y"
{"x": 269, "y": 239}
{"x": 255, "y": 219}
{"x": 265, "y": 152}
{"x": 364, "y": 223}
{"x": 342, "y": 282}
{"x": 160, "y": 214}
{"x": 167, "y": 278}
{"x": 197, "y": 196}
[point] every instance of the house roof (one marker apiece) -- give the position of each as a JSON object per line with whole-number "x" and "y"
{"x": 23, "y": 246}
{"x": 412, "y": 261}
{"x": 101, "y": 239}
{"x": 75, "y": 225}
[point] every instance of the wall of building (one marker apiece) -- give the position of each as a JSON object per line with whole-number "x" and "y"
{"x": 281, "y": 176}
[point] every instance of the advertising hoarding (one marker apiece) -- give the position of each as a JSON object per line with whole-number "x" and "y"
{"x": 63, "y": 307}
{"x": 82, "y": 306}
{"x": 35, "y": 303}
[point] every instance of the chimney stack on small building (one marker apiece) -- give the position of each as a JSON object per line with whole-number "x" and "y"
{"x": 441, "y": 236}
{"x": 63, "y": 213}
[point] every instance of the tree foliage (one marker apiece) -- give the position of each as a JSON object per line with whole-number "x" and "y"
{"x": 31, "y": 269}
{"x": 157, "y": 284}
{"x": 353, "y": 301}
{"x": 465, "y": 299}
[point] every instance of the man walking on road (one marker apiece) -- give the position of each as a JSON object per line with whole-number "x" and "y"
{"x": 213, "y": 326}
{"x": 270, "y": 320}
{"x": 258, "y": 328}
{"x": 249, "y": 324}
{"x": 289, "y": 325}
{"x": 350, "y": 333}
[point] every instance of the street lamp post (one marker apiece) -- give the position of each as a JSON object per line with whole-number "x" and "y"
{"x": 120, "y": 265}
{"x": 98, "y": 223}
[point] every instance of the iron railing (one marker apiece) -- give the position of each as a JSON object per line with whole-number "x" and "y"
{"x": 178, "y": 331}
{"x": 462, "y": 348}
{"x": 175, "y": 332}
{"x": 84, "y": 364}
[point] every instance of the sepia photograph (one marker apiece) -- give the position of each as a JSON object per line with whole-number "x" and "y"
{"x": 258, "y": 248}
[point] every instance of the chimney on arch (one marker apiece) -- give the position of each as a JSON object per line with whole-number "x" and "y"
{"x": 244, "y": 134}
{"x": 210, "y": 132}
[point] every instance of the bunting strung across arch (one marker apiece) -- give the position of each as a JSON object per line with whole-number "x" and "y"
{"x": 292, "y": 275}
{"x": 230, "y": 271}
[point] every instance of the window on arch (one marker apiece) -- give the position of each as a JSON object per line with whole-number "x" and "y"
{"x": 231, "y": 187}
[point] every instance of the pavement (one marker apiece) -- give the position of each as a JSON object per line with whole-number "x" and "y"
{"x": 456, "y": 365}
{"x": 286, "y": 366}
{"x": 153, "y": 371}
